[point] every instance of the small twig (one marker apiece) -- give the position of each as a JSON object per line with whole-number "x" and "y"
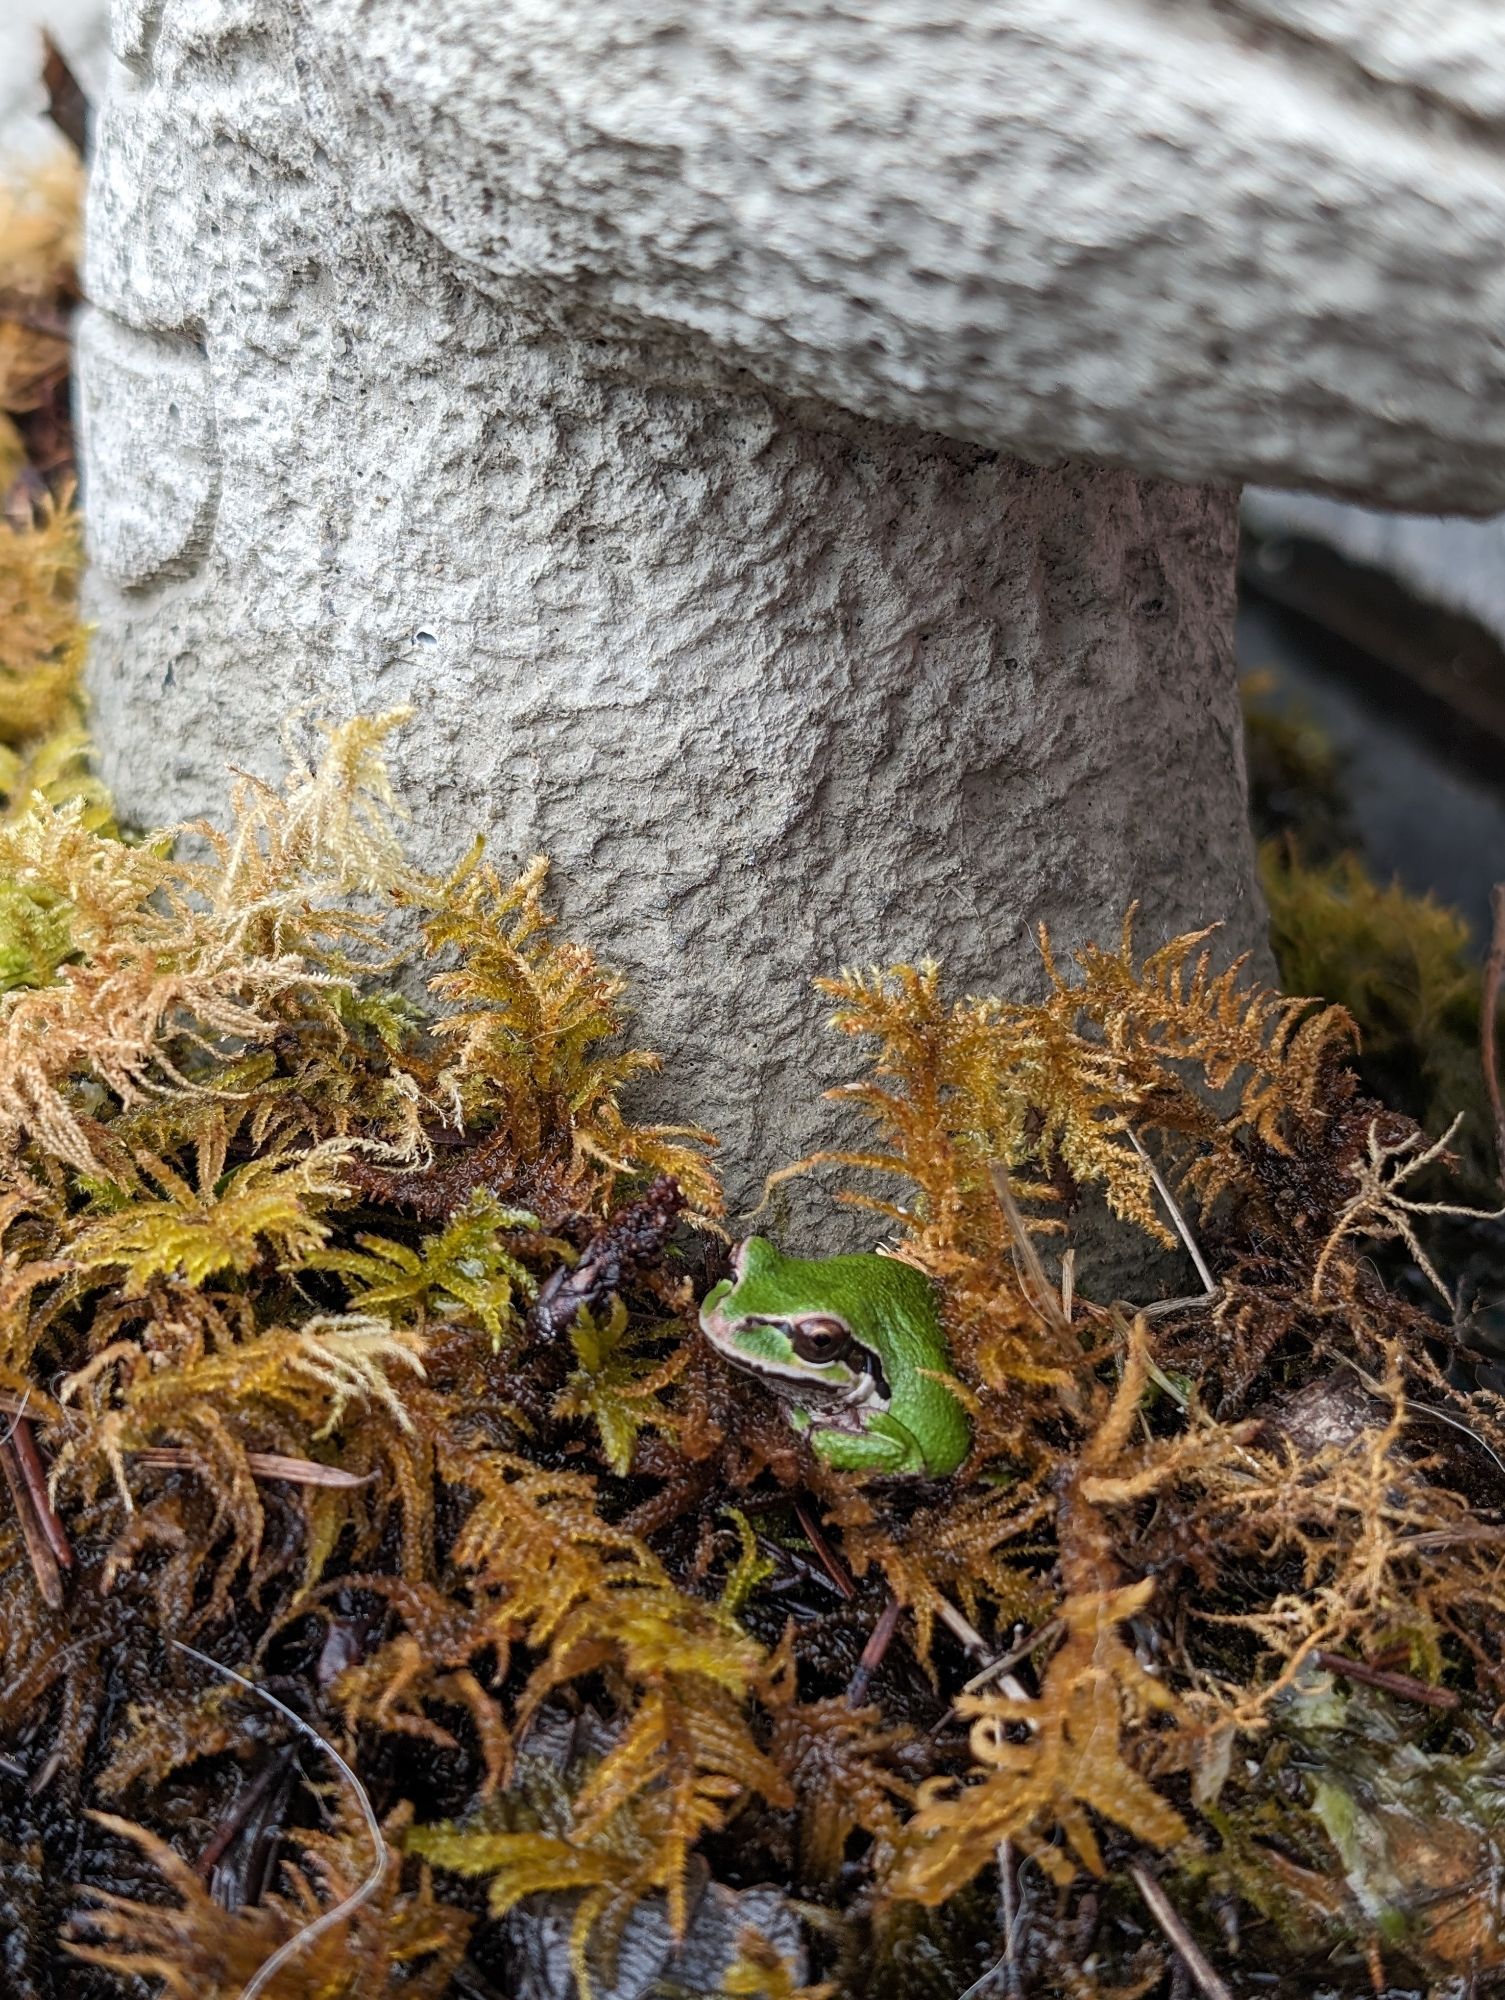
{"x": 823, "y": 1549}
{"x": 253, "y": 1825}
{"x": 44, "y": 1563}
{"x": 1163, "y": 1308}
{"x": 1489, "y": 1022}
{"x": 1003, "y": 1975}
{"x": 1034, "y": 1281}
{"x": 260, "y": 1465}
{"x": 1008, "y": 1891}
{"x": 996, "y": 1669}
{"x": 172, "y": 1458}
{"x": 249, "y": 1796}
{"x": 35, "y": 1474}
{"x": 16, "y": 1406}
{"x": 1404, "y": 1685}
{"x": 358, "y": 1896}
{"x": 990, "y": 1981}
{"x": 1164, "y": 1912}
{"x": 964, "y": 1630}
{"x": 1183, "y": 1228}
{"x": 1433, "y": 1539}
{"x": 873, "y": 1652}
{"x": 974, "y": 1642}
{"x": 796, "y": 1564}
{"x": 10, "y": 1429}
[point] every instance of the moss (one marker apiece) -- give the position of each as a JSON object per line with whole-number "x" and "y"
{"x": 1296, "y": 782}
{"x": 1404, "y": 968}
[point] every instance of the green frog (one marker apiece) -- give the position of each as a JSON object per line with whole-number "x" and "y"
{"x": 853, "y": 1346}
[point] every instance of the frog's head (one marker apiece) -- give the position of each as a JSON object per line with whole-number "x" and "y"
{"x": 776, "y": 1318}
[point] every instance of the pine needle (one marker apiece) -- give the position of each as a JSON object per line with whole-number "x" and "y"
{"x": 366, "y": 1889}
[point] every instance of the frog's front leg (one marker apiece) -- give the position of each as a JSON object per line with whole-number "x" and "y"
{"x": 885, "y": 1446}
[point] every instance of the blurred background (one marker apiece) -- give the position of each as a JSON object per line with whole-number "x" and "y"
{"x": 1378, "y": 641}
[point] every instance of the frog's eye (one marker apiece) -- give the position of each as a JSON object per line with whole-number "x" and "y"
{"x": 819, "y": 1338}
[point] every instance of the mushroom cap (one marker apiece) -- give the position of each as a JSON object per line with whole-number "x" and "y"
{"x": 1220, "y": 240}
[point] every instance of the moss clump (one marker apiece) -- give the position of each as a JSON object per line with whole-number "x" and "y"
{"x": 1403, "y": 967}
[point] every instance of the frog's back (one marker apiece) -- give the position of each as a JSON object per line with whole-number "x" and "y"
{"x": 883, "y": 1298}
{"x": 893, "y": 1309}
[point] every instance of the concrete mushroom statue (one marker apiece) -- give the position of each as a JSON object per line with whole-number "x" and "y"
{"x": 787, "y": 454}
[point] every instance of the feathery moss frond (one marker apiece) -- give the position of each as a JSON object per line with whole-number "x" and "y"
{"x": 466, "y": 1268}
{"x": 268, "y": 1206}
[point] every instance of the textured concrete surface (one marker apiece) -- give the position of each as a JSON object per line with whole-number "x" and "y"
{"x": 1452, "y": 51}
{"x": 1214, "y": 241}
{"x": 644, "y": 393}
{"x": 775, "y": 698}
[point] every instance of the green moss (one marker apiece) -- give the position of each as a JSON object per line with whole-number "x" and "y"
{"x": 1402, "y": 965}
{"x": 36, "y": 935}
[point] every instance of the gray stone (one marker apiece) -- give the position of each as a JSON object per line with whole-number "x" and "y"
{"x": 147, "y": 424}
{"x": 1202, "y": 239}
{"x": 684, "y": 407}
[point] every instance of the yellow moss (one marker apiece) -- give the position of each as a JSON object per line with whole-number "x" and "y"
{"x": 615, "y": 1388}
{"x": 42, "y": 743}
{"x": 467, "y": 1269}
{"x": 528, "y": 1028}
{"x": 41, "y": 640}
{"x": 1402, "y": 967}
{"x": 1070, "y": 1764}
{"x": 402, "y": 1942}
